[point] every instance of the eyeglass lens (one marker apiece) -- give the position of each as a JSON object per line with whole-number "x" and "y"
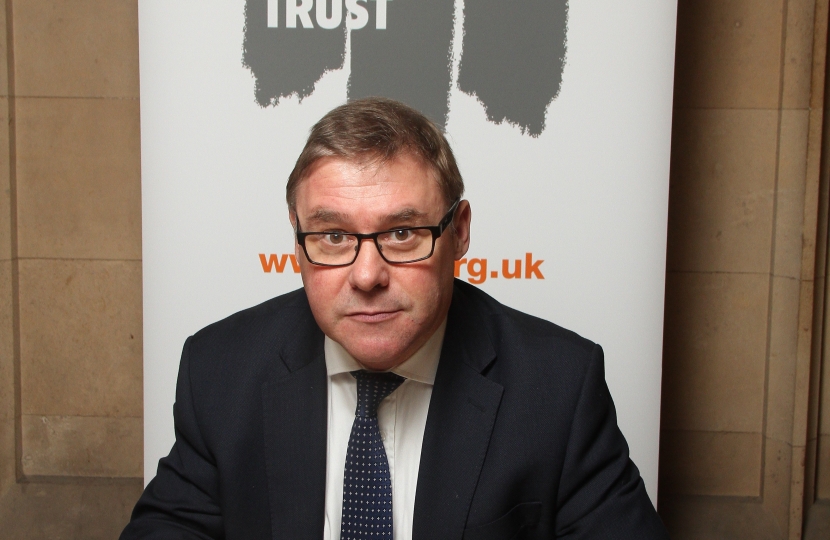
{"x": 402, "y": 245}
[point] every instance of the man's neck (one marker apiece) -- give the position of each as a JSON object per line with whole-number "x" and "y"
{"x": 420, "y": 366}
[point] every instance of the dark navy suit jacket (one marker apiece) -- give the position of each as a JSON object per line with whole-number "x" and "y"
{"x": 521, "y": 438}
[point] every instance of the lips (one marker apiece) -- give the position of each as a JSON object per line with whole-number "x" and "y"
{"x": 372, "y": 316}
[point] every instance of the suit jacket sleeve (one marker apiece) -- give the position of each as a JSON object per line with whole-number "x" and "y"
{"x": 181, "y": 502}
{"x": 601, "y": 494}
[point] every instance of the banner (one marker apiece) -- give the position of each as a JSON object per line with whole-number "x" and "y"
{"x": 559, "y": 114}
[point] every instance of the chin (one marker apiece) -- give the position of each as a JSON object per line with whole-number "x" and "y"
{"x": 383, "y": 355}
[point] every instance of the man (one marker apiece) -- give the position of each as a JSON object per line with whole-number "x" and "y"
{"x": 385, "y": 399}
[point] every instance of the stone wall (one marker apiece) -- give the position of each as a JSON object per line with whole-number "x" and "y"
{"x": 70, "y": 269}
{"x": 741, "y": 293}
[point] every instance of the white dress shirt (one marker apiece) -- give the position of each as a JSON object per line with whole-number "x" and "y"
{"x": 401, "y": 417}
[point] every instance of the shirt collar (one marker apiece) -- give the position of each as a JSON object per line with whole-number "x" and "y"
{"x": 420, "y": 367}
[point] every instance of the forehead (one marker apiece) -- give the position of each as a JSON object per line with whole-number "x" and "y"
{"x": 404, "y": 180}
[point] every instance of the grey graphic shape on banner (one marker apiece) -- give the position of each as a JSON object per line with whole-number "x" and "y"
{"x": 512, "y": 59}
{"x": 286, "y": 61}
{"x": 409, "y": 61}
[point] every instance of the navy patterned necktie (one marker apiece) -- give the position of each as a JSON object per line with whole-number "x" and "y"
{"x": 367, "y": 486}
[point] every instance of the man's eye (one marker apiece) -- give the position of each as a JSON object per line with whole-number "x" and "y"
{"x": 401, "y": 235}
{"x": 335, "y": 238}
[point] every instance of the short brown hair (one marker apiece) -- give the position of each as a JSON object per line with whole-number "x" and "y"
{"x": 378, "y": 129}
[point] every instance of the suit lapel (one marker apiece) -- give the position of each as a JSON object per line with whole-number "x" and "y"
{"x": 295, "y": 416}
{"x": 462, "y": 413}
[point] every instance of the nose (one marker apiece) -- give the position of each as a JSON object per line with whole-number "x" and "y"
{"x": 369, "y": 270}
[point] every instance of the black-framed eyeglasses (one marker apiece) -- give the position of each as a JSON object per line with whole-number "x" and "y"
{"x": 396, "y": 246}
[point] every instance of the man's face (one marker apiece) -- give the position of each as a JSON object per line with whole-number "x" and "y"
{"x": 381, "y": 313}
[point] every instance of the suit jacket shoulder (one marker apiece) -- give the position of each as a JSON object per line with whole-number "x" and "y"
{"x": 222, "y": 476}
{"x": 556, "y": 463}
{"x": 520, "y": 342}
{"x": 229, "y": 360}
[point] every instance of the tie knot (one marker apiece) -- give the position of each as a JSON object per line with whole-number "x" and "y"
{"x": 372, "y": 388}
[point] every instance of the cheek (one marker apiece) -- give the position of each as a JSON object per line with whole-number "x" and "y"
{"x": 445, "y": 268}
{"x": 426, "y": 290}
{"x": 323, "y": 288}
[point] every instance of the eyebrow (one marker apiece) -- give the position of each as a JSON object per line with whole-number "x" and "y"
{"x": 407, "y": 214}
{"x": 322, "y": 216}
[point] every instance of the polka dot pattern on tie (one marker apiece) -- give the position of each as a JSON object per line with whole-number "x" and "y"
{"x": 367, "y": 487}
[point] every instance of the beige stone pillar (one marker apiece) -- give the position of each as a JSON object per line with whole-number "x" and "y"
{"x": 744, "y": 196}
{"x": 70, "y": 268}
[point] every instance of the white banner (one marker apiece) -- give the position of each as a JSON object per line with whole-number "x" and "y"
{"x": 559, "y": 114}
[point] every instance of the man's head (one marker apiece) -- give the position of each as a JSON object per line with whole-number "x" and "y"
{"x": 377, "y": 130}
{"x": 376, "y": 165}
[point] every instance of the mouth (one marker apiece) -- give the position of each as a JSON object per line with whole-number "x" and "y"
{"x": 373, "y": 316}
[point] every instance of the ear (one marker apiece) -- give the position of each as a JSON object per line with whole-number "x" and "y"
{"x": 461, "y": 224}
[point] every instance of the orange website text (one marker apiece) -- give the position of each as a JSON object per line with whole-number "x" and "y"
{"x": 475, "y": 270}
